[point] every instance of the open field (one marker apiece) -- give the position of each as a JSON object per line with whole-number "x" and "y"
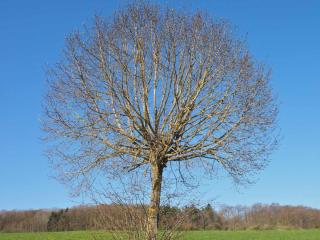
{"x": 192, "y": 235}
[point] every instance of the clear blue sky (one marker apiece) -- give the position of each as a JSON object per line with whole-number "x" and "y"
{"x": 284, "y": 34}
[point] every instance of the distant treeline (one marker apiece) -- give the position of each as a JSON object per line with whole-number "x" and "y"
{"x": 257, "y": 216}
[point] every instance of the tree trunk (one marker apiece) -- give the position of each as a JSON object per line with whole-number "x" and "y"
{"x": 153, "y": 211}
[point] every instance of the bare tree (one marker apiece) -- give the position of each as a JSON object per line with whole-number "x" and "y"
{"x": 153, "y": 88}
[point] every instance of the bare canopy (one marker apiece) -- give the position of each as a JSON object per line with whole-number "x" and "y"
{"x": 152, "y": 87}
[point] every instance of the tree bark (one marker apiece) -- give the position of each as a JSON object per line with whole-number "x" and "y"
{"x": 153, "y": 211}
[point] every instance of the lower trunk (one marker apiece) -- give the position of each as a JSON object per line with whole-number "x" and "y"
{"x": 153, "y": 211}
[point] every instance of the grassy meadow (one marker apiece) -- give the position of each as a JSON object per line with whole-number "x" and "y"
{"x": 191, "y": 235}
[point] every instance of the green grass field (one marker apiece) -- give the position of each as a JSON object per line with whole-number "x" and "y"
{"x": 192, "y": 235}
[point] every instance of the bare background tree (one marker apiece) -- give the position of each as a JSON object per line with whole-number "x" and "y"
{"x": 161, "y": 93}
{"x": 111, "y": 217}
